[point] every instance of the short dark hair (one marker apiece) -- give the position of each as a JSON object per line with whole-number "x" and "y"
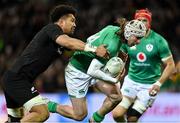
{"x": 60, "y": 11}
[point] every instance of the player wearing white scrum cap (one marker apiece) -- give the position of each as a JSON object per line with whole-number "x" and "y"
{"x": 86, "y": 68}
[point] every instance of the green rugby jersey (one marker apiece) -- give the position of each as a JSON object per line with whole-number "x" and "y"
{"x": 81, "y": 60}
{"x": 146, "y": 58}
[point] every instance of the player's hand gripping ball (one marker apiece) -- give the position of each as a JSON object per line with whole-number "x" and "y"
{"x": 114, "y": 66}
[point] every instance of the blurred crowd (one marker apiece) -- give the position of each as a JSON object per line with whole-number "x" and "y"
{"x": 20, "y": 20}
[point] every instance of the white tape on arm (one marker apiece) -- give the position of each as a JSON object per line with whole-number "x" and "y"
{"x": 90, "y": 48}
{"x": 95, "y": 71}
{"x": 158, "y": 83}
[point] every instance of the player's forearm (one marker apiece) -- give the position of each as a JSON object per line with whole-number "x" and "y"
{"x": 95, "y": 71}
{"x": 169, "y": 69}
{"x": 77, "y": 44}
{"x": 70, "y": 43}
{"x": 74, "y": 44}
{"x": 103, "y": 76}
{"x": 166, "y": 73}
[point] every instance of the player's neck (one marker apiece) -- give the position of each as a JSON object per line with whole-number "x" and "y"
{"x": 148, "y": 32}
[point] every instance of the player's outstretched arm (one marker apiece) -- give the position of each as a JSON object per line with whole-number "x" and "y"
{"x": 169, "y": 69}
{"x": 76, "y": 44}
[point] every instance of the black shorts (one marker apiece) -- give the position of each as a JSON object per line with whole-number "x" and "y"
{"x": 17, "y": 90}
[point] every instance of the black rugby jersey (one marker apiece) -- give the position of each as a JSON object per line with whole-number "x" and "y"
{"x": 40, "y": 52}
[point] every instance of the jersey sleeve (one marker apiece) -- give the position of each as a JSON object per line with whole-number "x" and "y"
{"x": 101, "y": 40}
{"x": 107, "y": 40}
{"x": 97, "y": 40}
{"x": 105, "y": 36}
{"x": 164, "y": 50}
{"x": 53, "y": 31}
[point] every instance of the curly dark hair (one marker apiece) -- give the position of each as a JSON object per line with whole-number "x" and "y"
{"x": 121, "y": 22}
{"x": 60, "y": 11}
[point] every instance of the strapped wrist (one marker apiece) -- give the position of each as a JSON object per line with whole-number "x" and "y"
{"x": 90, "y": 48}
{"x": 158, "y": 83}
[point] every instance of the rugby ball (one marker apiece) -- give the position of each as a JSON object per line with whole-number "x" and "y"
{"x": 114, "y": 66}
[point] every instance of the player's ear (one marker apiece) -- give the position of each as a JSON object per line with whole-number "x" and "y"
{"x": 61, "y": 22}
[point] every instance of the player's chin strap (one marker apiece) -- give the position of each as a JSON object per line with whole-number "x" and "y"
{"x": 95, "y": 71}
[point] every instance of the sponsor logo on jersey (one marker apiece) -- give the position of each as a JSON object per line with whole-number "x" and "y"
{"x": 149, "y": 47}
{"x": 141, "y": 57}
{"x": 142, "y": 64}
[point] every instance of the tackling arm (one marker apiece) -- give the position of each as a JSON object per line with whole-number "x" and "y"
{"x": 71, "y": 43}
{"x": 76, "y": 44}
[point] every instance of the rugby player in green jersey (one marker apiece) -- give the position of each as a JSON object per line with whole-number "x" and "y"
{"x": 144, "y": 78}
{"x": 79, "y": 73}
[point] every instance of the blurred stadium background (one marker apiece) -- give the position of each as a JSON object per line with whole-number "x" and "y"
{"x": 20, "y": 20}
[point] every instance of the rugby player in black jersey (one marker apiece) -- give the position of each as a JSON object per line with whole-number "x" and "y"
{"x": 47, "y": 45}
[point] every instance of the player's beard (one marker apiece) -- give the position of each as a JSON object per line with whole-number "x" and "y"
{"x": 72, "y": 30}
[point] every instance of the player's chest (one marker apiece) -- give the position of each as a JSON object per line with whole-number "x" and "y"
{"x": 114, "y": 48}
{"x": 144, "y": 51}
{"x": 55, "y": 48}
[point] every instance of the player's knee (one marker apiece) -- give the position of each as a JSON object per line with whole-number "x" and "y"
{"x": 80, "y": 116}
{"x": 43, "y": 114}
{"x": 117, "y": 116}
{"x": 116, "y": 113}
{"x": 132, "y": 119}
{"x": 119, "y": 119}
{"x": 115, "y": 98}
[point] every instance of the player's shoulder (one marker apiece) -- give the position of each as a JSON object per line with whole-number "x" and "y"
{"x": 111, "y": 27}
{"x": 156, "y": 35}
{"x": 52, "y": 28}
{"x": 50, "y": 25}
{"x": 158, "y": 38}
